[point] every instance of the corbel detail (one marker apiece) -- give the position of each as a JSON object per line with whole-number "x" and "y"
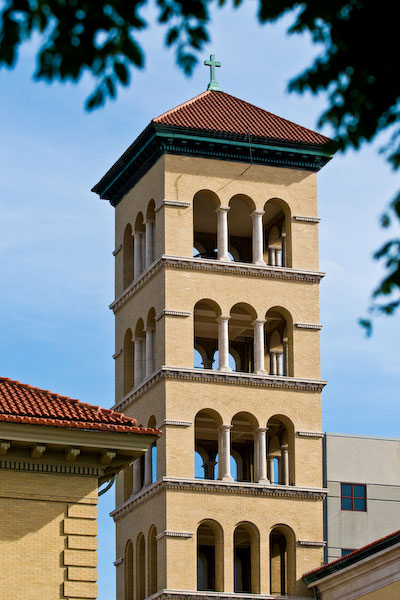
{"x": 71, "y": 454}
{"x": 4, "y": 448}
{"x": 107, "y": 457}
{"x": 37, "y": 451}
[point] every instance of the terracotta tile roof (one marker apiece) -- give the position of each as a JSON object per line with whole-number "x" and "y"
{"x": 354, "y": 554}
{"x": 219, "y": 112}
{"x": 21, "y": 403}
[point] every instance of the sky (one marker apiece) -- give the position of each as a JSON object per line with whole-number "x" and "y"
{"x": 57, "y": 238}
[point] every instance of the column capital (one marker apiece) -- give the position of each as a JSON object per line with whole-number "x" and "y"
{"x": 285, "y": 448}
{"x": 257, "y": 214}
{"x": 258, "y": 322}
{"x": 222, "y": 209}
{"x": 148, "y": 221}
{"x": 137, "y": 339}
{"x": 225, "y": 427}
{"x": 149, "y": 329}
{"x": 261, "y": 429}
{"x": 223, "y": 318}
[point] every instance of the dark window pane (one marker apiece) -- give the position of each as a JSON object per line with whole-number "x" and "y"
{"x": 359, "y": 491}
{"x": 346, "y": 489}
{"x": 346, "y": 552}
{"x": 359, "y": 504}
{"x": 347, "y": 504}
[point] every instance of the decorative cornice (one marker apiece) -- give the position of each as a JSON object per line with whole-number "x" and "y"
{"x": 206, "y": 595}
{"x": 22, "y": 465}
{"x": 172, "y": 203}
{"x": 308, "y": 326}
{"x": 200, "y": 264}
{"x": 237, "y": 488}
{"x": 174, "y": 534}
{"x": 306, "y": 219}
{"x": 115, "y": 252}
{"x": 311, "y": 434}
{"x": 118, "y": 353}
{"x": 172, "y": 313}
{"x": 310, "y": 544}
{"x": 224, "y": 377}
{"x": 174, "y": 423}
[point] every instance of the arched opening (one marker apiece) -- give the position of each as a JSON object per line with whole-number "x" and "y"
{"x": 127, "y": 356}
{"x": 139, "y": 246}
{"x": 150, "y": 342}
{"x": 128, "y": 571}
{"x": 128, "y": 482}
{"x": 140, "y": 567}
{"x": 152, "y": 561}
{"x": 210, "y": 566}
{"x": 127, "y": 256}
{"x": 282, "y": 561}
{"x": 279, "y": 342}
{"x": 206, "y": 426}
{"x": 241, "y": 337}
{"x": 244, "y": 426}
{"x": 240, "y": 228}
{"x": 277, "y": 233}
{"x": 139, "y": 353}
{"x": 280, "y": 450}
{"x": 206, "y": 313}
{"x": 246, "y": 559}
{"x": 205, "y": 204}
{"x": 150, "y": 234}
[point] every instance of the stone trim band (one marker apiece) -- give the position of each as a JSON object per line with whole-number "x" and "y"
{"x": 306, "y": 219}
{"x": 174, "y": 534}
{"x": 50, "y": 468}
{"x": 314, "y": 434}
{"x": 311, "y": 544}
{"x": 172, "y": 313}
{"x": 174, "y": 423}
{"x": 307, "y": 326}
{"x": 172, "y": 203}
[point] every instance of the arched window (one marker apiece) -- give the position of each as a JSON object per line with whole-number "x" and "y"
{"x": 282, "y": 561}
{"x": 279, "y": 342}
{"x": 241, "y": 228}
{"x": 207, "y": 440}
{"x": 140, "y": 353}
{"x": 280, "y": 450}
{"x": 206, "y": 313}
{"x": 140, "y": 568}
{"x": 210, "y": 567}
{"x": 241, "y": 336}
{"x": 127, "y": 356}
{"x": 139, "y": 246}
{"x": 128, "y": 571}
{"x": 127, "y": 254}
{"x": 150, "y": 235}
{"x": 205, "y": 204}
{"x": 152, "y": 561}
{"x": 246, "y": 559}
{"x": 243, "y": 447}
{"x": 277, "y": 233}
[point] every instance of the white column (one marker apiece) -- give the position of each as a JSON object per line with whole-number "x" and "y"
{"x": 137, "y": 476}
{"x": 223, "y": 343}
{"x": 137, "y": 254}
{"x": 271, "y": 468}
{"x": 262, "y": 454}
{"x": 272, "y": 355}
{"x": 138, "y": 360}
{"x": 149, "y": 242}
{"x": 279, "y": 363}
{"x": 226, "y": 453}
{"x": 147, "y": 468}
{"x": 285, "y": 465}
{"x": 258, "y": 250}
{"x": 258, "y": 325}
{"x": 271, "y": 256}
{"x": 278, "y": 257}
{"x": 222, "y": 232}
{"x": 285, "y": 358}
{"x": 149, "y": 351}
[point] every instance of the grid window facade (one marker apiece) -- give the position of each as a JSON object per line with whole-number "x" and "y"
{"x": 353, "y": 497}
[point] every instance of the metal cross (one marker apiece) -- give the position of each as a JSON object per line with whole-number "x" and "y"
{"x": 212, "y": 63}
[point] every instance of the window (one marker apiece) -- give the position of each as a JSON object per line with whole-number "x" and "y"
{"x": 353, "y": 497}
{"x": 346, "y": 551}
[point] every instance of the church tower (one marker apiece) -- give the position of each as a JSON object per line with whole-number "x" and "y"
{"x": 217, "y": 344}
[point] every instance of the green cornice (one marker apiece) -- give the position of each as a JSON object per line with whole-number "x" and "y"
{"x": 157, "y": 140}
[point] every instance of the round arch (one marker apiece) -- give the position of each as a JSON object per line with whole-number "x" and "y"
{"x": 277, "y": 233}
{"x": 205, "y": 205}
{"x": 210, "y": 556}
{"x": 282, "y": 560}
{"x": 246, "y": 541}
{"x": 128, "y": 571}
{"x": 279, "y": 338}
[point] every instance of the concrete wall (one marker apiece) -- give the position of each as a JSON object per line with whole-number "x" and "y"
{"x": 372, "y": 461}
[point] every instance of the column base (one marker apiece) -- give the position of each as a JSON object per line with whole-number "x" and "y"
{"x": 260, "y": 263}
{"x": 227, "y": 478}
{"x": 225, "y": 369}
{"x": 265, "y": 481}
{"x": 225, "y": 258}
{"x": 260, "y": 372}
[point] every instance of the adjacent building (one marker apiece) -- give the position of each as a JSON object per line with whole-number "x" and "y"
{"x": 362, "y": 475}
{"x": 217, "y": 343}
{"x": 54, "y": 454}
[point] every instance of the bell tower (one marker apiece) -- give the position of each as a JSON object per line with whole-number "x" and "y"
{"x": 217, "y": 343}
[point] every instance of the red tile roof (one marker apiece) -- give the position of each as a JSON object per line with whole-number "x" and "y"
{"x": 353, "y": 554}
{"x": 21, "y": 403}
{"x": 219, "y": 112}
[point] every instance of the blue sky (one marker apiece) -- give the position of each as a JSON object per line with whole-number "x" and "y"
{"x": 56, "y": 237}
